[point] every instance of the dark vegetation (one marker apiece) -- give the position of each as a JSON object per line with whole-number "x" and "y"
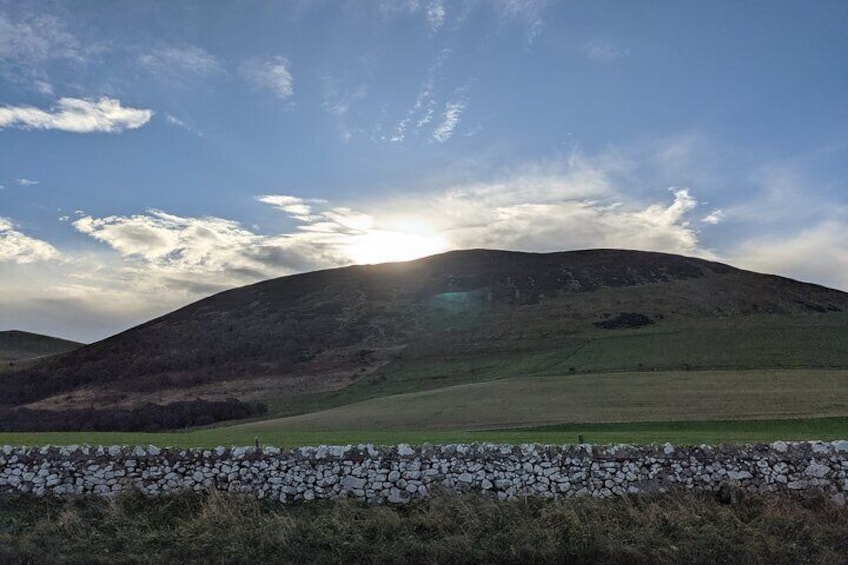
{"x": 470, "y": 314}
{"x": 681, "y": 527}
{"x": 625, "y": 320}
{"x": 148, "y": 417}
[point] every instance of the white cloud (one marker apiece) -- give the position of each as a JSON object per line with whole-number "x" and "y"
{"x": 177, "y": 62}
{"x": 817, "y": 253}
{"x": 26, "y": 182}
{"x": 168, "y": 241}
{"x": 272, "y": 74}
{"x": 604, "y": 51}
{"x": 76, "y": 115}
{"x": 294, "y": 206}
{"x": 17, "y": 247}
{"x": 713, "y": 218}
{"x": 557, "y": 213}
{"x": 450, "y": 119}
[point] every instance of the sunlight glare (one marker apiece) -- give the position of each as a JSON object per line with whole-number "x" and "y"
{"x": 381, "y": 246}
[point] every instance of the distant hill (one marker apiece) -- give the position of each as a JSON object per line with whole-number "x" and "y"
{"x": 24, "y": 346}
{"x": 461, "y": 316}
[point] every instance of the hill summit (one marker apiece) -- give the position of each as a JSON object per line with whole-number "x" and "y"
{"x": 333, "y": 329}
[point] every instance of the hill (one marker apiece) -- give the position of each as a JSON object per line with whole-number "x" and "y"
{"x": 16, "y": 346}
{"x": 328, "y": 338}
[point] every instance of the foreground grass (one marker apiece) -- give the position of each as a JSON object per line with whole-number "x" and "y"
{"x": 683, "y": 433}
{"x": 216, "y": 528}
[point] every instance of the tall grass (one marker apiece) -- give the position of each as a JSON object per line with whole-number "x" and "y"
{"x": 680, "y": 527}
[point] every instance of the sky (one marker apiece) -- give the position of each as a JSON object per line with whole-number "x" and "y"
{"x": 154, "y": 153}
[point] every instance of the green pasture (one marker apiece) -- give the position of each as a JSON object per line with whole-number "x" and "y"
{"x": 682, "y": 433}
{"x": 686, "y": 407}
{"x": 810, "y": 342}
{"x": 662, "y": 396}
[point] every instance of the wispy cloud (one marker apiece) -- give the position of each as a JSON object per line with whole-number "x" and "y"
{"x": 26, "y": 182}
{"x": 17, "y": 247}
{"x": 31, "y": 43}
{"x": 179, "y": 61}
{"x": 450, "y": 120}
{"x": 605, "y": 51}
{"x": 175, "y": 121}
{"x": 37, "y": 39}
{"x": 337, "y": 96}
{"x": 423, "y": 109}
{"x": 529, "y": 13}
{"x": 76, "y": 115}
{"x": 435, "y": 15}
{"x": 272, "y": 74}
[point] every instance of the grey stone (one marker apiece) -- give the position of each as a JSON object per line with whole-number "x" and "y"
{"x": 840, "y": 445}
{"x": 397, "y": 496}
{"x": 817, "y": 470}
{"x": 819, "y": 447}
{"x": 350, "y": 483}
{"x": 780, "y": 446}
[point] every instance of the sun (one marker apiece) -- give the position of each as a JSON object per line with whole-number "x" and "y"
{"x": 404, "y": 244}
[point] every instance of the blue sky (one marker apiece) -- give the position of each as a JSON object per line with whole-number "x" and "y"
{"x": 152, "y": 153}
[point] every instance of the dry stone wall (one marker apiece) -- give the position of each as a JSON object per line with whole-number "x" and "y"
{"x": 402, "y": 473}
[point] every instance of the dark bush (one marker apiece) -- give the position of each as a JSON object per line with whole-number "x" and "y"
{"x": 147, "y": 417}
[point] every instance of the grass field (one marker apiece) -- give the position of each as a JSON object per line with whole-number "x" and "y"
{"x": 690, "y": 407}
{"x": 684, "y": 433}
{"x": 592, "y": 398}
